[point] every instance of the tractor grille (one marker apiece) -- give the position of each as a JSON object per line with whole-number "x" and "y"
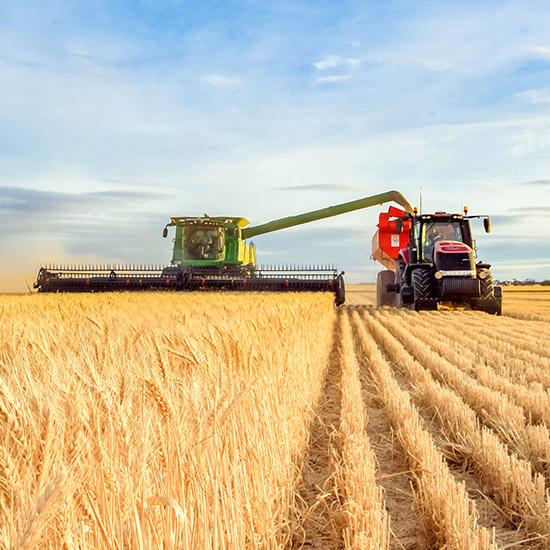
{"x": 459, "y": 287}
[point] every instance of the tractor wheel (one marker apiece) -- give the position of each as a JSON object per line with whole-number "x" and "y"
{"x": 383, "y": 297}
{"x": 404, "y": 298}
{"x": 422, "y": 283}
{"x": 486, "y": 284}
{"x": 400, "y": 272}
{"x": 490, "y": 299}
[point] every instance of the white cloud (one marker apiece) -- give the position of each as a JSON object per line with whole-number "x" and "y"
{"x": 534, "y": 137}
{"x": 535, "y": 96}
{"x": 337, "y": 78}
{"x": 334, "y": 61}
{"x": 540, "y": 51}
{"x": 435, "y": 65}
{"x": 220, "y": 81}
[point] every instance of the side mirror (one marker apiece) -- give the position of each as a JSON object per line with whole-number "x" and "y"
{"x": 165, "y": 232}
{"x": 487, "y": 225}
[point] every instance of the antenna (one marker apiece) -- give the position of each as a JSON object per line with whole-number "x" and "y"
{"x": 421, "y": 199}
{"x": 462, "y": 204}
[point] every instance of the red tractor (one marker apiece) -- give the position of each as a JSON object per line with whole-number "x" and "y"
{"x": 429, "y": 259}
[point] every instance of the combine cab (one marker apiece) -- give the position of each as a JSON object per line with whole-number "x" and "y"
{"x": 430, "y": 259}
{"x": 213, "y": 253}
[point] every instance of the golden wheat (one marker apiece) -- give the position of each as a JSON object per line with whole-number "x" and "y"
{"x": 511, "y": 479}
{"x": 447, "y": 512}
{"x": 186, "y": 421}
{"x": 367, "y": 521}
{"x": 175, "y": 421}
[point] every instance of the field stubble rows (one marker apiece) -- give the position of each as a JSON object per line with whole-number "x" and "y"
{"x": 261, "y": 421}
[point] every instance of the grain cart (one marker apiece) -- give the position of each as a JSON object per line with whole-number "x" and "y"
{"x": 213, "y": 253}
{"x": 430, "y": 259}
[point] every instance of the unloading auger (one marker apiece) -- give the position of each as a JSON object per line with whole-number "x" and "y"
{"x": 212, "y": 253}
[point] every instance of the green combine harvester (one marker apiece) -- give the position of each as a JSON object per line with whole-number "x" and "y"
{"x": 212, "y": 253}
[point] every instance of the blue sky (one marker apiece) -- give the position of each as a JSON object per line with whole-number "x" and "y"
{"x": 117, "y": 115}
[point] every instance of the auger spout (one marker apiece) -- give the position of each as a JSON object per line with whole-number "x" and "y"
{"x": 328, "y": 212}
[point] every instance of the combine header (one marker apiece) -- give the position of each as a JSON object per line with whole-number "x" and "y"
{"x": 213, "y": 253}
{"x": 430, "y": 259}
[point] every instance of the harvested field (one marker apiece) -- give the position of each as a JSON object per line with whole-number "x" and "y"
{"x": 528, "y": 302}
{"x": 144, "y": 421}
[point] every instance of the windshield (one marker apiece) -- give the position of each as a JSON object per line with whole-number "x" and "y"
{"x": 432, "y": 232}
{"x": 203, "y": 243}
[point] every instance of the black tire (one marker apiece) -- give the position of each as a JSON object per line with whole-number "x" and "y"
{"x": 486, "y": 284}
{"x": 340, "y": 292}
{"x": 422, "y": 283}
{"x": 383, "y": 297}
{"x": 490, "y": 299}
{"x": 491, "y": 305}
{"x": 400, "y": 272}
{"x": 401, "y": 281}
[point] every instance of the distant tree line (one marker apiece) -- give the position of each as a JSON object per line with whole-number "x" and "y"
{"x": 524, "y": 282}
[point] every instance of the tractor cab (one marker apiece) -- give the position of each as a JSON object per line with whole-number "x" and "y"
{"x": 431, "y": 230}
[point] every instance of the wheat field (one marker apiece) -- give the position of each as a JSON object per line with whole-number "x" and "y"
{"x": 225, "y": 421}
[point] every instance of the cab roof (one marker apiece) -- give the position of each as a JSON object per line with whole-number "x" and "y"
{"x": 221, "y": 220}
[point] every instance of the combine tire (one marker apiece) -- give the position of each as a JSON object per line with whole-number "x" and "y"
{"x": 340, "y": 291}
{"x": 383, "y": 297}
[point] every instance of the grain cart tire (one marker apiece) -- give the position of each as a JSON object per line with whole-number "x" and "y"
{"x": 383, "y": 297}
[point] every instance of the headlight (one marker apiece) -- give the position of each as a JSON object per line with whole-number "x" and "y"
{"x": 438, "y": 275}
{"x": 483, "y": 274}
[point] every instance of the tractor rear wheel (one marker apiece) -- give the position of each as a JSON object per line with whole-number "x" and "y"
{"x": 490, "y": 299}
{"x": 422, "y": 283}
{"x": 383, "y": 297}
{"x": 486, "y": 284}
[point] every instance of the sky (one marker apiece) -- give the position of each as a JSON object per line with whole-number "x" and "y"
{"x": 116, "y": 115}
